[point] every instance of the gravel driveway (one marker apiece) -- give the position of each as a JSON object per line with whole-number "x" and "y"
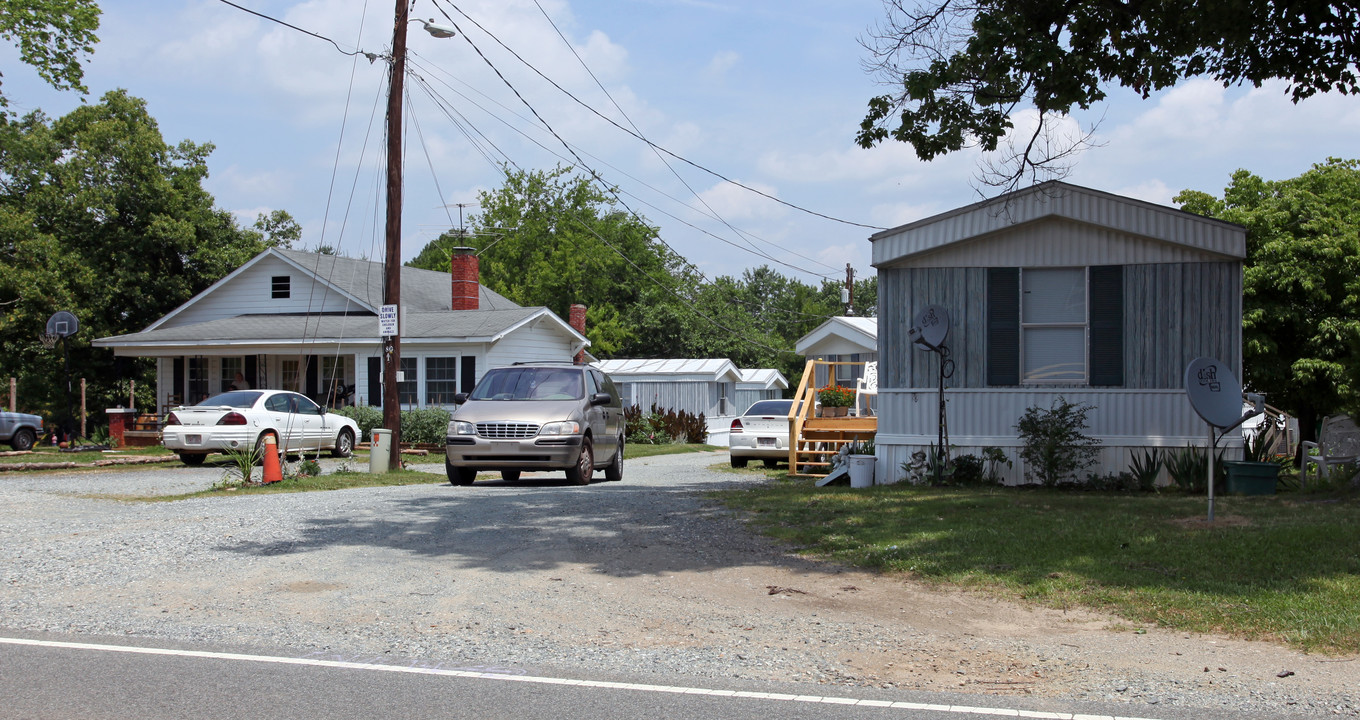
{"x": 638, "y": 577}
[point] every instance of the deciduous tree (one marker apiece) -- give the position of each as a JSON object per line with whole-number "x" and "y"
{"x": 1301, "y": 285}
{"x": 960, "y": 69}
{"x": 52, "y": 36}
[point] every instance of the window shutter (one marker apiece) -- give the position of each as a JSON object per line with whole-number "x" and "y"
{"x": 178, "y": 372}
{"x": 1003, "y": 326}
{"x": 311, "y": 376}
{"x": 1107, "y": 325}
{"x": 468, "y": 377}
{"x": 375, "y": 381}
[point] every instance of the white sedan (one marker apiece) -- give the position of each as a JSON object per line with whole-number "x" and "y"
{"x": 762, "y": 433}
{"x": 242, "y": 419}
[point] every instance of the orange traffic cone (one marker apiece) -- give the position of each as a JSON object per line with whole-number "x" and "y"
{"x": 272, "y": 472}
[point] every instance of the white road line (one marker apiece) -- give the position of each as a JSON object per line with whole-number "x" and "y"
{"x": 314, "y": 662}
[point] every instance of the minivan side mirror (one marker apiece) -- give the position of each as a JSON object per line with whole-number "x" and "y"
{"x": 459, "y": 398}
{"x": 601, "y": 398}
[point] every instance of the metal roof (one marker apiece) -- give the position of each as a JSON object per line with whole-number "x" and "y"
{"x": 717, "y": 369}
{"x": 862, "y": 331}
{"x": 1056, "y": 199}
{"x": 766, "y": 378}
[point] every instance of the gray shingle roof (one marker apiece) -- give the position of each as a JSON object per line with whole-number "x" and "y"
{"x": 421, "y": 290}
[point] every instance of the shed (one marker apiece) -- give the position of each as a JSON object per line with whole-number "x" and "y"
{"x": 1055, "y": 291}
{"x": 706, "y": 386}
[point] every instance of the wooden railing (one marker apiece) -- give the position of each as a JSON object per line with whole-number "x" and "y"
{"x": 813, "y": 440}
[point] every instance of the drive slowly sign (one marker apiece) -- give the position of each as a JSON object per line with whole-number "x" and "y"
{"x": 387, "y": 321}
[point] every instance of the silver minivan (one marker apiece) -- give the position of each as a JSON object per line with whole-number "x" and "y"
{"x": 537, "y": 416}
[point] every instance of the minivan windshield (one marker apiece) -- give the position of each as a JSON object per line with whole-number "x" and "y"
{"x": 529, "y": 383}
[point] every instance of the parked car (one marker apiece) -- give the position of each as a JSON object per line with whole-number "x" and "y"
{"x": 20, "y": 430}
{"x": 761, "y": 433}
{"x": 241, "y": 419}
{"x": 537, "y": 416}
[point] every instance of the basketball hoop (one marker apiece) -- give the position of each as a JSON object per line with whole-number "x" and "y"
{"x": 49, "y": 340}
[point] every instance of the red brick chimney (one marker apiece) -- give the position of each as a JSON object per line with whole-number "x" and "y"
{"x": 577, "y": 319}
{"x": 466, "y": 273}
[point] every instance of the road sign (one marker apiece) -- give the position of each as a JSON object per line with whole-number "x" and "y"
{"x": 387, "y": 321}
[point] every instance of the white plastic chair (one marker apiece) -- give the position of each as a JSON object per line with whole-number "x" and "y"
{"x": 867, "y": 386}
{"x": 1338, "y": 444}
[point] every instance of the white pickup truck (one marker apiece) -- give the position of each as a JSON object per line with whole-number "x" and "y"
{"x": 20, "y": 430}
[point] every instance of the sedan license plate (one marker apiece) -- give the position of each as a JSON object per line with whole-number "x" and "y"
{"x": 765, "y": 442}
{"x": 193, "y": 439}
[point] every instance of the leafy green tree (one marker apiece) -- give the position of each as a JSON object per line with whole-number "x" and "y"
{"x": 1301, "y": 285}
{"x": 278, "y": 229}
{"x": 52, "y": 36}
{"x": 552, "y": 239}
{"x": 960, "y": 69}
{"x": 101, "y": 217}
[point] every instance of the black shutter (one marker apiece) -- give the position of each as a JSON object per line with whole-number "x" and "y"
{"x": 178, "y": 391}
{"x": 312, "y": 372}
{"x": 252, "y": 369}
{"x": 468, "y": 377}
{"x": 1003, "y": 326}
{"x": 375, "y": 381}
{"x": 1107, "y": 325}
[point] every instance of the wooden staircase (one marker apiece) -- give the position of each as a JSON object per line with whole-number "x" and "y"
{"x": 813, "y": 440}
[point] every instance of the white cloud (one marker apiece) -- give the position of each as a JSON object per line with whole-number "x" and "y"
{"x": 722, "y": 62}
{"x": 735, "y": 204}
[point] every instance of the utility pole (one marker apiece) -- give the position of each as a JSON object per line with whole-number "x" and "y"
{"x": 392, "y": 260}
{"x": 848, "y": 297}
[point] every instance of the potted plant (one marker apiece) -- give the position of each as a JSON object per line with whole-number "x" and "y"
{"x": 1255, "y": 474}
{"x": 837, "y": 399}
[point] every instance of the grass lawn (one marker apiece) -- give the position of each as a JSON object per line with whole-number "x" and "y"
{"x": 44, "y": 454}
{"x": 1283, "y": 567}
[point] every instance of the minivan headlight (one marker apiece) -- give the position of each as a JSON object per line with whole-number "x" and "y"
{"x": 567, "y": 427}
{"x": 458, "y": 427}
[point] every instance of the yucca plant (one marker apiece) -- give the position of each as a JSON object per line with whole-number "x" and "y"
{"x": 1146, "y": 468}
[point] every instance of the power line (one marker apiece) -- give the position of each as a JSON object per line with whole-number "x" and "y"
{"x": 682, "y": 159}
{"x": 371, "y": 56}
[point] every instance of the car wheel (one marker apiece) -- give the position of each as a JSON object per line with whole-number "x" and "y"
{"x": 739, "y": 462}
{"x": 23, "y": 439}
{"x": 584, "y": 470}
{"x": 344, "y": 444}
{"x": 260, "y": 446}
{"x": 771, "y": 463}
{"x": 459, "y": 475}
{"x": 614, "y": 472}
{"x": 509, "y": 475}
{"x": 192, "y": 459}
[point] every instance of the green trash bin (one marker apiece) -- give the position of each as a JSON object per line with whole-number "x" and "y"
{"x": 1252, "y": 478}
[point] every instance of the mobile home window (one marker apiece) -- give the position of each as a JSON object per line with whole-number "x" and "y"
{"x": 1053, "y": 321}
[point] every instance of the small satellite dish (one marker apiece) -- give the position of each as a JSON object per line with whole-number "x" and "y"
{"x": 62, "y": 324}
{"x": 1214, "y": 392}
{"x": 929, "y": 328}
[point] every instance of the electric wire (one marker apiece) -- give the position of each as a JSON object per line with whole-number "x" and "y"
{"x": 370, "y": 56}
{"x": 685, "y": 160}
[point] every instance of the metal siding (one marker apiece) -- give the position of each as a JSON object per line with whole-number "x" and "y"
{"x": 1182, "y": 232}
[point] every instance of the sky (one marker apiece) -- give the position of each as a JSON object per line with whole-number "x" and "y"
{"x": 767, "y": 93}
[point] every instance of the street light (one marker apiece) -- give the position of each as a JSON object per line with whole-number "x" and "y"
{"x": 392, "y": 258}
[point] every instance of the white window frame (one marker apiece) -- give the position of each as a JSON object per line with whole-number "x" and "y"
{"x": 425, "y": 379}
{"x": 1084, "y": 325}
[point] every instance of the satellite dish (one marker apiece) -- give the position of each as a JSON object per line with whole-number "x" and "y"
{"x": 62, "y": 324}
{"x": 1214, "y": 392}
{"x": 929, "y": 328}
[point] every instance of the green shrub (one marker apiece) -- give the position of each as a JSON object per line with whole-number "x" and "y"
{"x": 1188, "y": 465}
{"x": 663, "y": 426}
{"x": 367, "y": 416}
{"x": 1056, "y": 448}
{"x": 425, "y": 425}
{"x": 1146, "y": 468}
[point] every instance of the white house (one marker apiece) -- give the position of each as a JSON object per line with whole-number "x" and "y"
{"x": 308, "y": 322}
{"x": 1055, "y": 290}
{"x": 841, "y": 339}
{"x": 706, "y": 386}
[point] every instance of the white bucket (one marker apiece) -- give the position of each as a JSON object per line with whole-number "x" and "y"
{"x": 861, "y": 470}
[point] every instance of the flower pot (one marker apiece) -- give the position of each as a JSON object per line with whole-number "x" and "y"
{"x": 861, "y": 470}
{"x": 1252, "y": 478}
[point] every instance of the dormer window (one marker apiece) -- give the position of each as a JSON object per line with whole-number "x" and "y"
{"x": 282, "y": 286}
